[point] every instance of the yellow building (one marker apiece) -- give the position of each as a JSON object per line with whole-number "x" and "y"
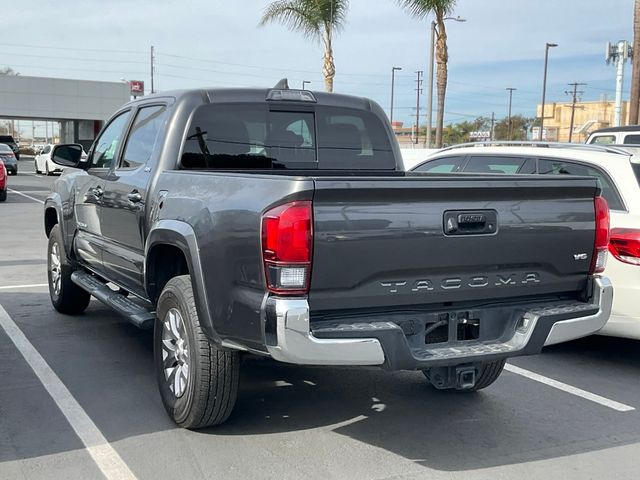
{"x": 589, "y": 116}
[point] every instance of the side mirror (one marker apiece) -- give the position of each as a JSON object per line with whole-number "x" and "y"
{"x": 68, "y": 155}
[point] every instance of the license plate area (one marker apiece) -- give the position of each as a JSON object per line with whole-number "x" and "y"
{"x": 452, "y": 327}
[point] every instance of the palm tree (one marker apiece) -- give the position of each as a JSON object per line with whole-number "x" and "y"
{"x": 421, "y": 9}
{"x": 316, "y": 19}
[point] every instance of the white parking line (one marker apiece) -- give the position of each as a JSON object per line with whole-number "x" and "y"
{"x": 101, "y": 451}
{"x": 25, "y": 195}
{"x": 32, "y": 285}
{"x": 620, "y": 407}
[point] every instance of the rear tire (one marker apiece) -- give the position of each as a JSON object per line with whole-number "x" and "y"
{"x": 66, "y": 296}
{"x": 198, "y": 381}
{"x": 488, "y": 373}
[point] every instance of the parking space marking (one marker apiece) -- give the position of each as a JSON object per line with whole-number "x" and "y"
{"x": 620, "y": 407}
{"x": 25, "y": 195}
{"x": 32, "y": 285}
{"x": 101, "y": 451}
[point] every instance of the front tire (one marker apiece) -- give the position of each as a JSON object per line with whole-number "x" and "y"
{"x": 198, "y": 381}
{"x": 66, "y": 296}
{"x": 46, "y": 167}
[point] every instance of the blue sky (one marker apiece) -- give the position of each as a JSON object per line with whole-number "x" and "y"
{"x": 218, "y": 43}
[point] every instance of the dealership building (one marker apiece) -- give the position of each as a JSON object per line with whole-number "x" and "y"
{"x": 79, "y": 106}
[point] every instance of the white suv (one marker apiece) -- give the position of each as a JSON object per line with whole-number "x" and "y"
{"x": 618, "y": 169}
{"x": 616, "y": 136}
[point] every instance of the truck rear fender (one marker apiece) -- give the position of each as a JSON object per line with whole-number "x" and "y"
{"x": 177, "y": 237}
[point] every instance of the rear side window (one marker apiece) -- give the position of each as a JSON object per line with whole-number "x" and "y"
{"x": 560, "y": 167}
{"x": 603, "y": 139}
{"x": 632, "y": 139}
{"x": 441, "y": 165}
{"x": 47, "y": 149}
{"x": 143, "y": 136}
{"x": 636, "y": 170}
{"x": 500, "y": 164}
{"x": 239, "y": 136}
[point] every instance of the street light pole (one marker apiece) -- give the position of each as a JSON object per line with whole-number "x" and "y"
{"x": 432, "y": 49}
{"x": 544, "y": 86}
{"x": 393, "y": 82}
{"x": 510, "y": 90}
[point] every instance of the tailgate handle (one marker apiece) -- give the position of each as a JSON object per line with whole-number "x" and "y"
{"x": 470, "y": 222}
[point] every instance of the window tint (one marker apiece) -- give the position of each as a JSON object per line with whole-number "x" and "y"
{"x": 6, "y": 138}
{"x": 603, "y": 139}
{"x": 107, "y": 144}
{"x": 352, "y": 139}
{"x": 559, "y": 167}
{"x": 252, "y": 136}
{"x": 249, "y": 136}
{"x": 5, "y": 148}
{"x": 632, "y": 139}
{"x": 46, "y": 149}
{"x": 143, "y": 136}
{"x": 440, "y": 165}
{"x": 499, "y": 164}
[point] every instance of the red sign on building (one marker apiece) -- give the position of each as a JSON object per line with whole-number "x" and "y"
{"x": 137, "y": 87}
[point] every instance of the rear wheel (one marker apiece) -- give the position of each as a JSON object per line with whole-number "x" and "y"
{"x": 198, "y": 381}
{"x": 66, "y": 296}
{"x": 486, "y": 374}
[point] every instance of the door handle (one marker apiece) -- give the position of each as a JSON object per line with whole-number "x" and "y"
{"x": 134, "y": 197}
{"x": 97, "y": 192}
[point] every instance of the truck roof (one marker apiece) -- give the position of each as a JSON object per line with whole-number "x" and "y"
{"x": 628, "y": 128}
{"x": 254, "y": 95}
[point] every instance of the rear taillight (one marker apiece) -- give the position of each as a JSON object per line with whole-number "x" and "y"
{"x": 624, "y": 245}
{"x": 287, "y": 240}
{"x": 601, "y": 243}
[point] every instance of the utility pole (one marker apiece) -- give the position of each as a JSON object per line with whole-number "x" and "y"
{"x": 510, "y": 90}
{"x": 544, "y": 86}
{"x": 619, "y": 54}
{"x": 153, "y": 67}
{"x": 574, "y": 94}
{"x": 393, "y": 82}
{"x": 418, "y": 92}
{"x": 493, "y": 121}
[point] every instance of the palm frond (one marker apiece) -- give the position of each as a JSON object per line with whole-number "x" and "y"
{"x": 421, "y": 9}
{"x": 294, "y": 14}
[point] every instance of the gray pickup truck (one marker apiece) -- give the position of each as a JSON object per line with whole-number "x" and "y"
{"x": 278, "y": 222}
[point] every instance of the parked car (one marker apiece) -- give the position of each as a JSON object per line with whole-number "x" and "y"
{"x": 9, "y": 159}
{"x": 8, "y": 140}
{"x": 629, "y": 135}
{"x": 3, "y": 182}
{"x": 618, "y": 170}
{"x": 44, "y": 164}
{"x": 278, "y": 222}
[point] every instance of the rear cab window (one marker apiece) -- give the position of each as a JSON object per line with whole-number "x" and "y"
{"x": 262, "y": 136}
{"x": 633, "y": 139}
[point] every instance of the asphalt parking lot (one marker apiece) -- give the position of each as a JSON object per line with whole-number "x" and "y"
{"x": 290, "y": 422}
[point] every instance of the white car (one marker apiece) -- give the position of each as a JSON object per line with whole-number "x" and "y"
{"x": 618, "y": 169}
{"x": 44, "y": 164}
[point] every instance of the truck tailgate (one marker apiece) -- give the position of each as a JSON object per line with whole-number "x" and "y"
{"x": 381, "y": 242}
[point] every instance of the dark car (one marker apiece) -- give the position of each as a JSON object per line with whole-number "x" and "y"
{"x": 8, "y": 140}
{"x": 9, "y": 159}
